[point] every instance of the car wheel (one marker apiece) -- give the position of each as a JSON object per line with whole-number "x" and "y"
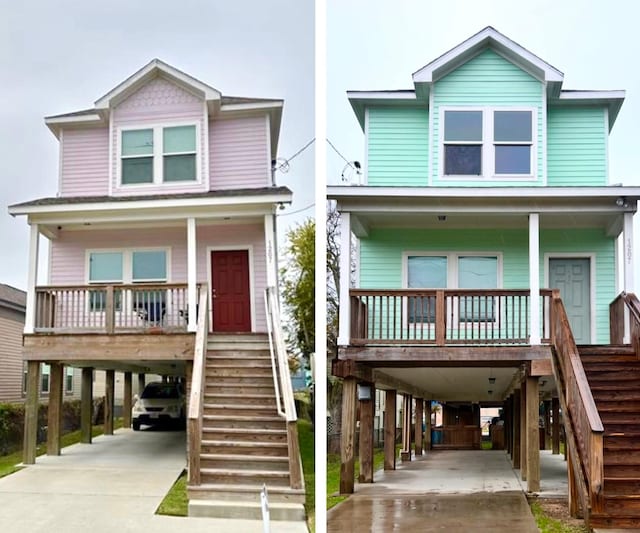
{"x": 135, "y": 425}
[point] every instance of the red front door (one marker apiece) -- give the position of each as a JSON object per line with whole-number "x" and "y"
{"x": 230, "y": 291}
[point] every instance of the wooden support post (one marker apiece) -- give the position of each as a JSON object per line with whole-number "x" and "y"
{"x": 405, "y": 454}
{"x": 533, "y": 435}
{"x": 367, "y": 408}
{"x": 574, "y": 498}
{"x": 347, "y": 439}
{"x": 86, "y": 405}
{"x": 54, "y": 414}
{"x": 390, "y": 430}
{"x": 523, "y": 430}
{"x": 547, "y": 425}
{"x": 188, "y": 377}
{"x": 427, "y": 429}
{"x": 418, "y": 426}
{"x": 109, "y": 388}
{"x": 141, "y": 383}
{"x": 506, "y": 414}
{"x": 516, "y": 429}
{"x": 555, "y": 426}
{"x": 127, "y": 400}
{"x": 31, "y": 413}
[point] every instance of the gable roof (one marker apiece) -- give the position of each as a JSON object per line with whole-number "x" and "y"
{"x": 216, "y": 102}
{"x": 489, "y": 37}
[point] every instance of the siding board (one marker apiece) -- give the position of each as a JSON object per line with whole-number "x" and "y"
{"x": 85, "y": 162}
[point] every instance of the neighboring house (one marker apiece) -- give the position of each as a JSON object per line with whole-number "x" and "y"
{"x": 164, "y": 221}
{"x": 12, "y": 378}
{"x": 485, "y": 187}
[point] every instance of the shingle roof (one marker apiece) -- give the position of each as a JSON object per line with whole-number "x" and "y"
{"x": 12, "y": 297}
{"x": 262, "y": 191}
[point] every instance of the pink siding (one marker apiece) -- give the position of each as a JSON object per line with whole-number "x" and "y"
{"x": 239, "y": 155}
{"x": 11, "y": 327}
{"x": 159, "y": 101}
{"x": 85, "y": 162}
{"x": 68, "y": 262}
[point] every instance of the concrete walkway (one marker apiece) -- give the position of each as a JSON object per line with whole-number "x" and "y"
{"x": 114, "y": 484}
{"x": 442, "y": 491}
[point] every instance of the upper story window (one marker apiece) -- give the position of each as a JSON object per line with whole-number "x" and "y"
{"x": 489, "y": 143}
{"x": 158, "y": 155}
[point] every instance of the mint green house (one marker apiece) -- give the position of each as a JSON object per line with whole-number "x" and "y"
{"x": 484, "y": 188}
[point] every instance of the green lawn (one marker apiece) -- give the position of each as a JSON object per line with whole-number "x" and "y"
{"x": 546, "y": 524}
{"x": 9, "y": 463}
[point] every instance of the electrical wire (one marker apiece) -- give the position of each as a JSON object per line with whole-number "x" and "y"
{"x": 285, "y": 163}
{"x": 350, "y": 163}
{"x": 297, "y": 210}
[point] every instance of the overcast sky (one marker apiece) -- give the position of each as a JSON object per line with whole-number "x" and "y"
{"x": 61, "y": 56}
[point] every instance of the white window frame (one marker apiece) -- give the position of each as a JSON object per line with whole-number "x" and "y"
{"x": 68, "y": 373}
{"x": 158, "y": 154}
{"x": 127, "y": 271}
{"x": 488, "y": 144}
{"x": 452, "y": 274}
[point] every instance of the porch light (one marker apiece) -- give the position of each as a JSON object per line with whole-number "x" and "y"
{"x": 490, "y": 392}
{"x": 364, "y": 391}
{"x": 492, "y": 381}
{"x": 442, "y": 218}
{"x": 621, "y": 201}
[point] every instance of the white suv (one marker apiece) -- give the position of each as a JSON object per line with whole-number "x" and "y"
{"x": 159, "y": 403}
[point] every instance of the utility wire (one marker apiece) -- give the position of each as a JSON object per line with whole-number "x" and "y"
{"x": 350, "y": 163}
{"x": 297, "y": 210}
{"x": 284, "y": 166}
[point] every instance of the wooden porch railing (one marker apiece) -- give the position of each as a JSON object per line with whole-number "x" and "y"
{"x": 282, "y": 383}
{"x": 583, "y": 427}
{"x": 630, "y": 302}
{"x": 443, "y": 316}
{"x": 111, "y": 308}
{"x": 196, "y": 394}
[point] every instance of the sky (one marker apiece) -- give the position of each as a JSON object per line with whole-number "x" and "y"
{"x": 58, "y": 57}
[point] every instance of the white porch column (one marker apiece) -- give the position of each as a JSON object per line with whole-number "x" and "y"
{"x": 270, "y": 250}
{"x": 534, "y": 277}
{"x": 627, "y": 254}
{"x": 344, "y": 330}
{"x": 627, "y": 267}
{"x": 32, "y": 279}
{"x": 192, "y": 289}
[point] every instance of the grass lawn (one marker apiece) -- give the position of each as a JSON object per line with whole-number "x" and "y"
{"x": 549, "y": 524}
{"x": 9, "y": 463}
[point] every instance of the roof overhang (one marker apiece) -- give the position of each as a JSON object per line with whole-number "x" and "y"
{"x": 360, "y": 100}
{"x": 74, "y": 213}
{"x": 487, "y": 38}
{"x": 612, "y": 100}
{"x": 485, "y": 207}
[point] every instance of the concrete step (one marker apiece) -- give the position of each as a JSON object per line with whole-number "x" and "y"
{"x": 280, "y": 512}
{"x": 245, "y": 492}
{"x": 260, "y": 448}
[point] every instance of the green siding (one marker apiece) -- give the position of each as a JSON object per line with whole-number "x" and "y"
{"x": 398, "y": 146}
{"x": 576, "y": 146}
{"x": 486, "y": 80}
{"x": 381, "y": 257}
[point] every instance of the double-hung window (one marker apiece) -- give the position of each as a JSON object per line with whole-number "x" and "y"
{"x": 105, "y": 268}
{"x": 488, "y": 143}
{"x": 158, "y": 155}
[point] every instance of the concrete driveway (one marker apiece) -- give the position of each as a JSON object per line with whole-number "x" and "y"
{"x": 452, "y": 491}
{"x": 114, "y": 484}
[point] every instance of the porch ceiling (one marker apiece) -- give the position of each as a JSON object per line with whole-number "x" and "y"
{"x": 464, "y": 384}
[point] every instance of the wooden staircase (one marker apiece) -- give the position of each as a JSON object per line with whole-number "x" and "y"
{"x": 613, "y": 373}
{"x": 244, "y": 439}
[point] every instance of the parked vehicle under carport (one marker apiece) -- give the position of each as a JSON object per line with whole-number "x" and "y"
{"x": 161, "y": 403}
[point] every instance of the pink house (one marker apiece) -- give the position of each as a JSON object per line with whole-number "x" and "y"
{"x": 162, "y": 257}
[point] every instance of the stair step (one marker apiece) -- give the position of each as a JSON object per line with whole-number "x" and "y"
{"x": 240, "y": 399}
{"x": 256, "y": 423}
{"x": 612, "y": 385}
{"x": 244, "y": 379}
{"x": 629, "y": 406}
{"x": 622, "y": 457}
{"x": 617, "y": 377}
{"x": 238, "y": 372}
{"x": 278, "y": 511}
{"x": 621, "y": 442}
{"x": 261, "y": 448}
{"x": 245, "y": 492}
{"x": 218, "y": 409}
{"x": 269, "y": 463}
{"x": 234, "y": 362}
{"x": 619, "y": 418}
{"x": 623, "y": 504}
{"x": 244, "y": 434}
{"x": 224, "y": 476}
{"x": 239, "y": 388}
{"x": 605, "y": 349}
{"x": 616, "y": 395}
{"x": 621, "y": 485}
{"x": 621, "y": 470}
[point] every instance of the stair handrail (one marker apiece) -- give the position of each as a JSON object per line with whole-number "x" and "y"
{"x": 629, "y": 301}
{"x": 583, "y": 427}
{"x": 196, "y": 393}
{"x": 282, "y": 382}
